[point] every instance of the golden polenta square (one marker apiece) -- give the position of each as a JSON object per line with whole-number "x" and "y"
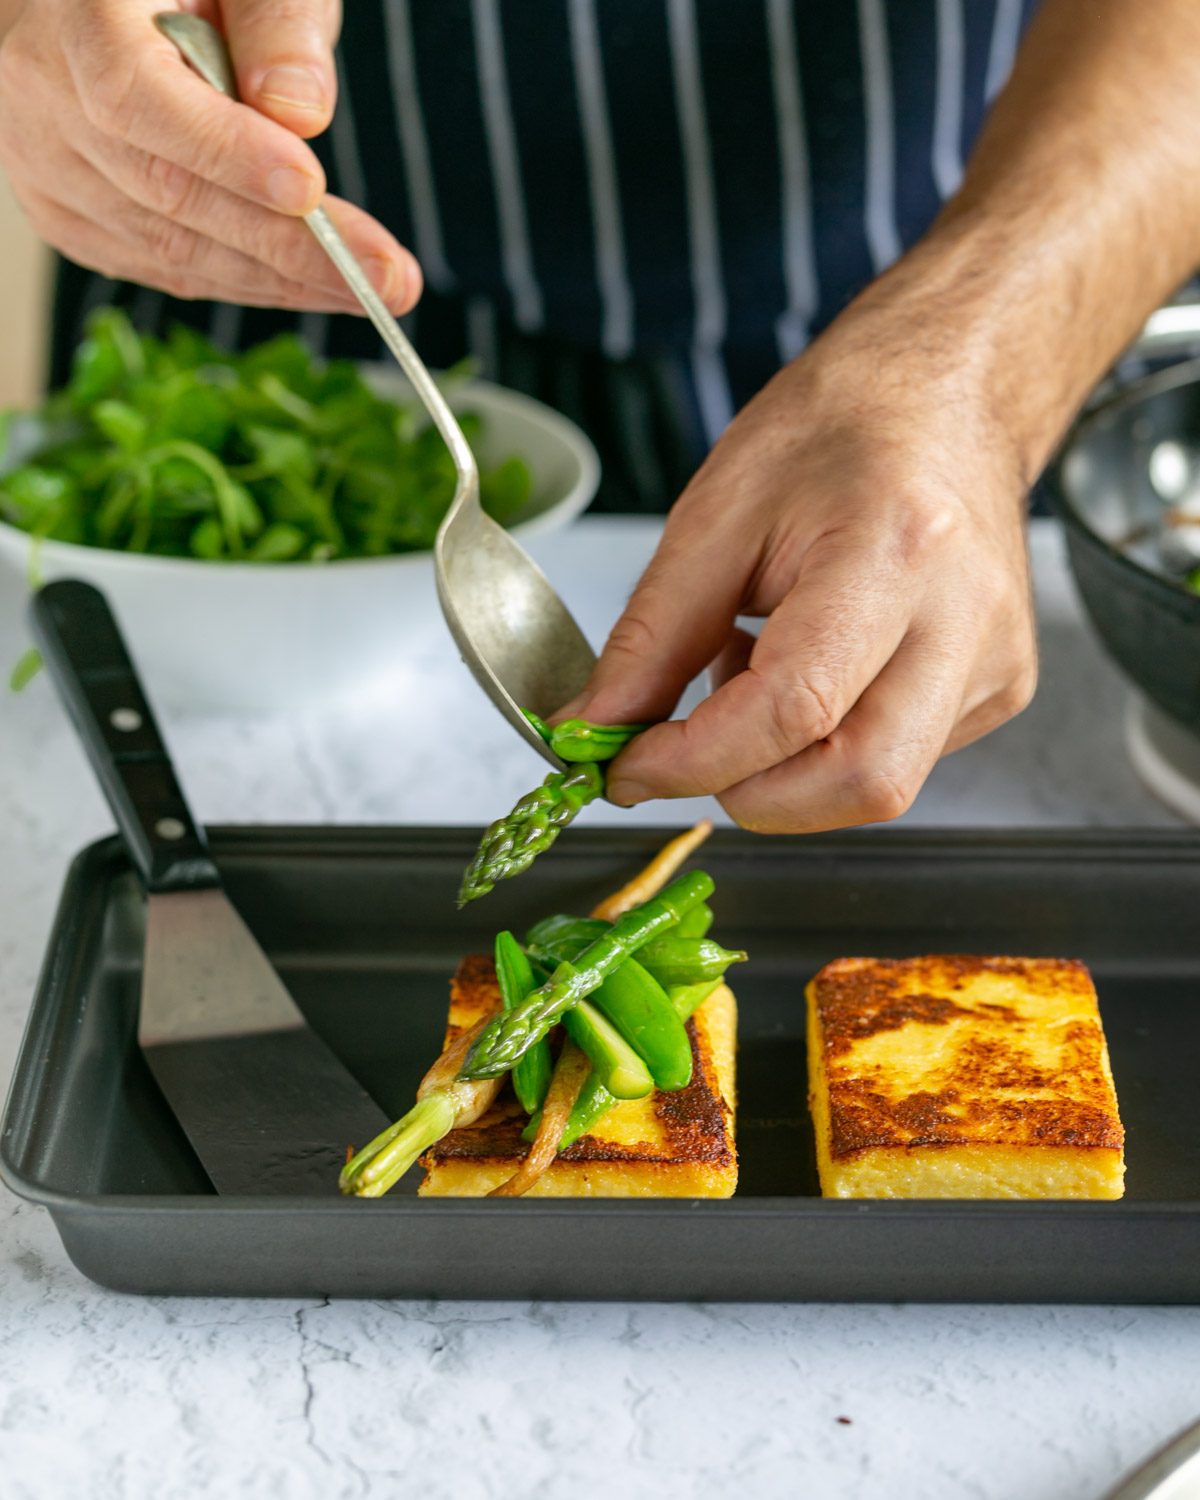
{"x": 668, "y": 1145}
{"x": 961, "y": 1077}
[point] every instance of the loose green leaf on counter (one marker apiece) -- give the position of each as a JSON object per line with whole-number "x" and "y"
{"x": 174, "y": 448}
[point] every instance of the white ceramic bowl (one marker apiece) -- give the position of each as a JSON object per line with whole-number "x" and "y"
{"x": 264, "y": 636}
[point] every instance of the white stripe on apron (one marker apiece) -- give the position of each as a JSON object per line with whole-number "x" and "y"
{"x": 608, "y": 231}
{"x": 506, "y": 170}
{"x": 708, "y": 366}
{"x": 799, "y": 261}
{"x": 1006, "y": 33}
{"x": 414, "y": 148}
{"x": 883, "y": 238}
{"x": 948, "y": 101}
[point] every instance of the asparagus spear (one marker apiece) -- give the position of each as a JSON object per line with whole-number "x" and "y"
{"x": 513, "y": 842}
{"x": 507, "y": 1038}
{"x": 444, "y": 1100}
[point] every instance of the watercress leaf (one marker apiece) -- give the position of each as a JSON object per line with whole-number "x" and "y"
{"x": 279, "y": 452}
{"x": 504, "y": 491}
{"x": 207, "y": 540}
{"x": 280, "y": 542}
{"x": 121, "y": 424}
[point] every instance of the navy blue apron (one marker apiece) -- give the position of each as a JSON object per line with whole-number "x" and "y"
{"x": 636, "y": 210}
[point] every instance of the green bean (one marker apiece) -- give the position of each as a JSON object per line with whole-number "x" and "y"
{"x": 508, "y": 1038}
{"x": 514, "y": 973}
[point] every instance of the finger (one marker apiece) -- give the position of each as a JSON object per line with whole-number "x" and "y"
{"x": 134, "y": 86}
{"x": 733, "y": 657}
{"x": 285, "y": 244}
{"x": 833, "y": 633}
{"x": 99, "y": 249}
{"x": 872, "y": 767}
{"x": 176, "y": 250}
{"x": 676, "y": 621}
{"x": 283, "y": 55}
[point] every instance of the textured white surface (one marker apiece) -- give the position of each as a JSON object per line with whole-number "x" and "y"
{"x": 115, "y": 1398}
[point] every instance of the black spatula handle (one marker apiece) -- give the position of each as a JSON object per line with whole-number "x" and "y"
{"x": 86, "y": 657}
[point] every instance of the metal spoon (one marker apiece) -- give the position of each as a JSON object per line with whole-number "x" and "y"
{"x": 515, "y": 634}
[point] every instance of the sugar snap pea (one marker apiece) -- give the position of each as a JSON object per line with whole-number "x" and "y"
{"x": 514, "y": 974}
{"x": 594, "y": 1099}
{"x": 637, "y": 1005}
{"x": 508, "y": 1038}
{"x": 614, "y": 1062}
{"x": 696, "y": 922}
{"x": 686, "y": 960}
{"x": 578, "y": 740}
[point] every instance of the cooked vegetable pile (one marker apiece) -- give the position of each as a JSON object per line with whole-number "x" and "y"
{"x": 513, "y": 842}
{"x": 172, "y": 447}
{"x": 622, "y": 982}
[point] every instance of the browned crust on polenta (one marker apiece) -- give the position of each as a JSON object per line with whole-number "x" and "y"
{"x": 693, "y": 1119}
{"x": 858, "y": 998}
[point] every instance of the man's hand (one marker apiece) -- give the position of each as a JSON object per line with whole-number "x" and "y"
{"x": 128, "y": 163}
{"x": 869, "y": 505}
{"x": 868, "y": 502}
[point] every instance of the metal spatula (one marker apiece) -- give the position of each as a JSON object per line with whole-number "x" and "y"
{"x": 264, "y": 1102}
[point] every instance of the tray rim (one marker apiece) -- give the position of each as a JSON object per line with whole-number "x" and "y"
{"x": 26, "y": 1083}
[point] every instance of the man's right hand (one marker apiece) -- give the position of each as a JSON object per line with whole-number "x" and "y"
{"x": 130, "y": 164}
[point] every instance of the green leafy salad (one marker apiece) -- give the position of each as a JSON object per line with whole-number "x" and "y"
{"x": 174, "y": 448}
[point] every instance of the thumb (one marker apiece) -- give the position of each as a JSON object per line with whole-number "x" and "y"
{"x": 677, "y": 620}
{"x": 283, "y": 55}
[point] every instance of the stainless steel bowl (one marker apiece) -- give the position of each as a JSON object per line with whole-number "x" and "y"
{"x": 1133, "y": 455}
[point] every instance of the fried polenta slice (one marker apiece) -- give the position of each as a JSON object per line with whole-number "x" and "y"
{"x": 961, "y": 1077}
{"x": 668, "y": 1145}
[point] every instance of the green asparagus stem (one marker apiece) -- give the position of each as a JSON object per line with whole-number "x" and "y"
{"x": 509, "y": 1037}
{"x": 512, "y": 843}
{"x": 382, "y": 1163}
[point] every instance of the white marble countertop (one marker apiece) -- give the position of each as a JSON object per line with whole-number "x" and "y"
{"x": 115, "y": 1397}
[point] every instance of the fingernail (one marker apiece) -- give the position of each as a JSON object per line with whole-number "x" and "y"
{"x": 382, "y": 272}
{"x": 290, "y": 189}
{"x": 626, "y": 793}
{"x": 298, "y": 88}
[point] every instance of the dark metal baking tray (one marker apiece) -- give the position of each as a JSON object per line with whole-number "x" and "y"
{"x": 363, "y": 928}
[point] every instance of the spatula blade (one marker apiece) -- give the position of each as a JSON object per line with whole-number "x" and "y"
{"x": 267, "y": 1106}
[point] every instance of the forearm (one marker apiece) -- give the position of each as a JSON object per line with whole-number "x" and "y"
{"x": 1079, "y": 213}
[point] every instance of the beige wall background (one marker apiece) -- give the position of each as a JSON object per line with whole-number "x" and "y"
{"x": 24, "y": 265}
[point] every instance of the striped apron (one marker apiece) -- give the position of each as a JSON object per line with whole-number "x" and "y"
{"x": 636, "y": 210}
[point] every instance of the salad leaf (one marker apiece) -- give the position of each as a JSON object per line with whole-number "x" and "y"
{"x": 173, "y": 447}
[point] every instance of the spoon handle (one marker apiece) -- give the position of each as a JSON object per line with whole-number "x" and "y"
{"x": 202, "y": 45}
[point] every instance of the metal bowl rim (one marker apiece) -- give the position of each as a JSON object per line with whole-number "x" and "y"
{"x": 1134, "y": 394}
